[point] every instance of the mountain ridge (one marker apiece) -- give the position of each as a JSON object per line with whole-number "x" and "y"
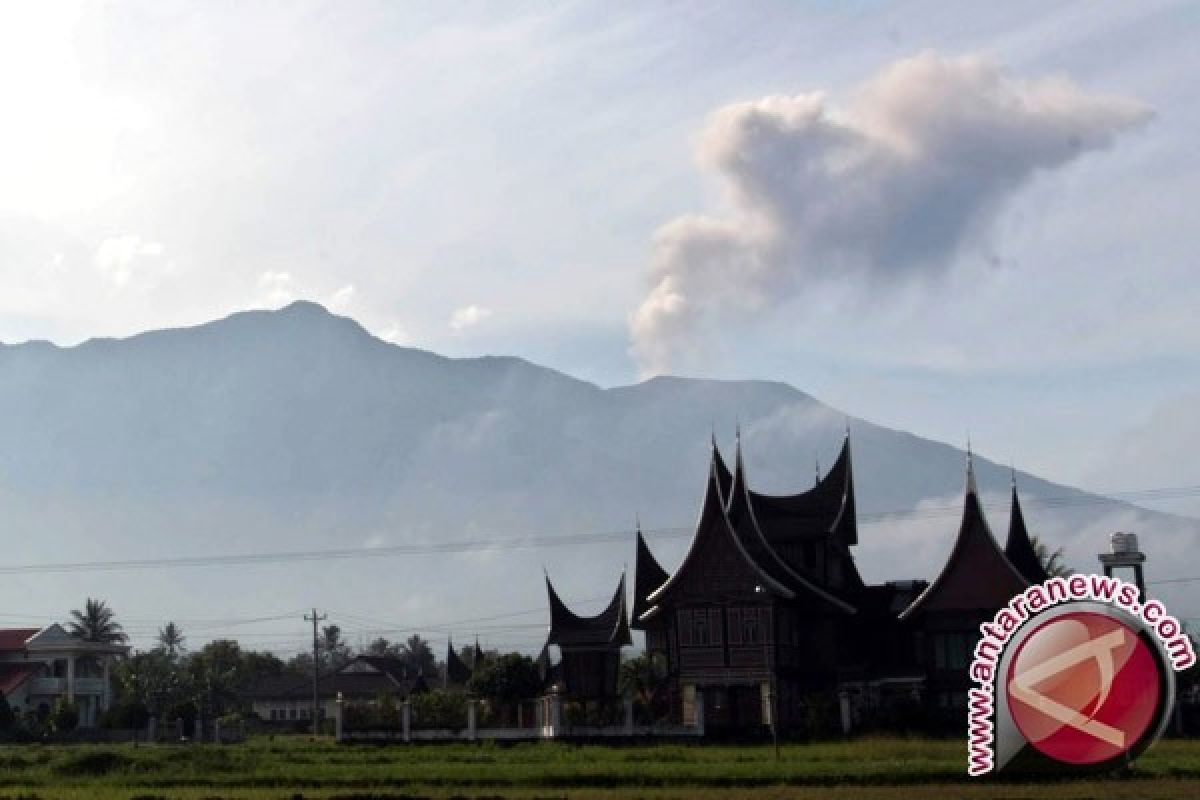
{"x": 298, "y": 429}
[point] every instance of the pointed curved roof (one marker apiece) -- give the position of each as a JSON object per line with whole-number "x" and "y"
{"x": 742, "y": 518}
{"x": 827, "y": 508}
{"x": 608, "y": 628}
{"x": 713, "y": 530}
{"x": 977, "y": 576}
{"x": 1018, "y": 548}
{"x": 457, "y": 672}
{"x": 648, "y": 575}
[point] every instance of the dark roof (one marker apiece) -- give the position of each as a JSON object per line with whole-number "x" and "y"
{"x": 364, "y": 676}
{"x": 549, "y": 672}
{"x": 714, "y": 532}
{"x": 13, "y": 639}
{"x": 977, "y": 576}
{"x": 742, "y": 518}
{"x": 610, "y": 627}
{"x": 827, "y": 508}
{"x": 1018, "y": 548}
{"x": 457, "y": 672}
{"x": 648, "y": 575}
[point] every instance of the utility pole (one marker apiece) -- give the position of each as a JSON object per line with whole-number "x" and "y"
{"x": 315, "y": 618}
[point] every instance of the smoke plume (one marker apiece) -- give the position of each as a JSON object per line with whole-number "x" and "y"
{"x": 889, "y": 188}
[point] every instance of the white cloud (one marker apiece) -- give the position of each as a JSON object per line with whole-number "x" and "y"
{"x": 276, "y": 289}
{"x": 121, "y": 259}
{"x": 341, "y": 299}
{"x": 395, "y": 334}
{"x": 889, "y": 190}
{"x": 468, "y": 317}
{"x": 1158, "y": 454}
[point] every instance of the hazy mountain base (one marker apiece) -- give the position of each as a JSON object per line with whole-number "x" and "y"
{"x": 297, "y": 430}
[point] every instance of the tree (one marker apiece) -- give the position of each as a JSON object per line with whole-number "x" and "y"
{"x": 96, "y": 623}
{"x": 217, "y": 674}
{"x": 1052, "y": 562}
{"x": 644, "y": 679}
{"x": 334, "y": 650}
{"x": 171, "y": 639}
{"x": 508, "y": 679}
{"x": 153, "y": 680}
{"x": 382, "y": 647}
{"x": 419, "y": 656}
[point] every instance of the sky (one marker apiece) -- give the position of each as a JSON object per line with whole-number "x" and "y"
{"x": 963, "y": 220}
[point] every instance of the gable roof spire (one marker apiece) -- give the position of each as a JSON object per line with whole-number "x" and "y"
{"x": 977, "y": 575}
{"x": 1019, "y": 546}
{"x": 648, "y": 575}
{"x": 610, "y": 627}
{"x": 972, "y": 489}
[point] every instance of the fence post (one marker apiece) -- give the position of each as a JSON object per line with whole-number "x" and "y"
{"x": 472, "y": 719}
{"x": 337, "y": 718}
{"x": 406, "y": 720}
{"x": 217, "y": 730}
{"x": 699, "y": 713}
{"x": 151, "y": 729}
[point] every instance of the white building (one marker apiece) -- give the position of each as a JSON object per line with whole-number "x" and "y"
{"x": 37, "y": 667}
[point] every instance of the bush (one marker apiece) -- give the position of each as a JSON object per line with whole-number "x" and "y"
{"x": 8, "y": 720}
{"x": 64, "y": 718}
{"x": 126, "y": 715}
{"x": 440, "y": 709}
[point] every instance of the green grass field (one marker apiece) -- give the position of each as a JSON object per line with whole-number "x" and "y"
{"x": 295, "y": 768}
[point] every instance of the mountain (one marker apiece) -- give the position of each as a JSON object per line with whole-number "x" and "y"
{"x": 298, "y": 430}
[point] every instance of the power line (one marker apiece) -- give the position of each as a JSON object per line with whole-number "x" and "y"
{"x": 539, "y": 541}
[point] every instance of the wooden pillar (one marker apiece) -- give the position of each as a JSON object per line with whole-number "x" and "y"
{"x": 472, "y": 719}
{"x": 70, "y": 679}
{"x": 105, "y": 697}
{"x": 406, "y": 720}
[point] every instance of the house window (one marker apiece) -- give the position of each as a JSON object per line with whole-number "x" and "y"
{"x": 751, "y": 633}
{"x": 952, "y": 650}
{"x": 685, "y": 627}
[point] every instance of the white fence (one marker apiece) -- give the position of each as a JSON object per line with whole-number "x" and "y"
{"x": 549, "y": 726}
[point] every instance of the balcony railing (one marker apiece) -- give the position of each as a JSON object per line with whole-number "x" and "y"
{"x": 49, "y": 686}
{"x": 58, "y": 686}
{"x": 89, "y": 685}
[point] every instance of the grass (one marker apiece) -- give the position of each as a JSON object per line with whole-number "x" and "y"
{"x": 288, "y": 768}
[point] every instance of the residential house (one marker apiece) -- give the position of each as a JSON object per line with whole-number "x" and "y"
{"x": 40, "y": 666}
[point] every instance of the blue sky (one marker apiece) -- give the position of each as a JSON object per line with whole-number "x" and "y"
{"x": 501, "y": 178}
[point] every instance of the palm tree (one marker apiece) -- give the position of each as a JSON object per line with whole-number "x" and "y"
{"x": 171, "y": 639}
{"x": 96, "y": 623}
{"x": 1052, "y": 562}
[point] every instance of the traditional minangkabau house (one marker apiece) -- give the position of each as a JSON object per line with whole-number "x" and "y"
{"x": 768, "y": 616}
{"x": 589, "y": 648}
{"x": 976, "y": 581}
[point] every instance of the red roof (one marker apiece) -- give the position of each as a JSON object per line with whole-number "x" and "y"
{"x": 14, "y": 638}
{"x": 13, "y": 675}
